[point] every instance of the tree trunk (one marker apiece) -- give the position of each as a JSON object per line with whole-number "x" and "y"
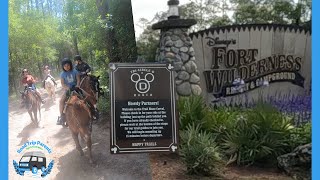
{"x": 103, "y": 7}
{"x": 75, "y": 43}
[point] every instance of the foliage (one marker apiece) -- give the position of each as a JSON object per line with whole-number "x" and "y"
{"x": 206, "y": 13}
{"x": 192, "y": 110}
{"x": 300, "y": 136}
{"x": 261, "y": 133}
{"x": 296, "y": 106}
{"x": 271, "y": 11}
{"x": 199, "y": 151}
{"x": 219, "y": 120}
{"x": 33, "y": 31}
{"x": 104, "y": 101}
{"x": 147, "y": 44}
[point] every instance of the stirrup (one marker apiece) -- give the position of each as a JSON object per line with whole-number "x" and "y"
{"x": 60, "y": 121}
{"x": 95, "y": 114}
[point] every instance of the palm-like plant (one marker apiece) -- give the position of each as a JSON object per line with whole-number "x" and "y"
{"x": 261, "y": 133}
{"x": 192, "y": 110}
{"x": 199, "y": 151}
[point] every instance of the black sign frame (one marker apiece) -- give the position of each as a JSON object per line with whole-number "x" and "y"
{"x": 124, "y": 105}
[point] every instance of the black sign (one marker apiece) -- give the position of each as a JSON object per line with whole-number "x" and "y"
{"x": 143, "y": 113}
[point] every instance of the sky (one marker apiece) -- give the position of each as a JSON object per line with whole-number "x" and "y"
{"x": 147, "y": 9}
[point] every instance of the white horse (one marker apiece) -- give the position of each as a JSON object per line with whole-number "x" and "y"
{"x": 50, "y": 88}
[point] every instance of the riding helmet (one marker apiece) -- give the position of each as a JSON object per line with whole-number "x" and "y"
{"x": 65, "y": 61}
{"x": 77, "y": 58}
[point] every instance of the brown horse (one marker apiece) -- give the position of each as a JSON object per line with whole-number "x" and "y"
{"x": 33, "y": 104}
{"x": 79, "y": 115}
{"x": 79, "y": 120}
{"x": 90, "y": 85}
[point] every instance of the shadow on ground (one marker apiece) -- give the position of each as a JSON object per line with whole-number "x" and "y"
{"x": 26, "y": 133}
{"x": 63, "y": 136}
{"x": 106, "y": 166}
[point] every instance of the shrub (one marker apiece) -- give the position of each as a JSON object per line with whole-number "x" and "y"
{"x": 192, "y": 110}
{"x": 219, "y": 120}
{"x": 104, "y": 101}
{"x": 260, "y": 133}
{"x": 199, "y": 151}
{"x": 300, "y": 136}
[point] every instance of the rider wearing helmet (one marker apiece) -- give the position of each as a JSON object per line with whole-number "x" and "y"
{"x": 82, "y": 67}
{"x": 28, "y": 82}
{"x": 47, "y": 74}
{"x": 70, "y": 79}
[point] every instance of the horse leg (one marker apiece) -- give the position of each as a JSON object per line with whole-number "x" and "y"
{"x": 89, "y": 145}
{"x": 54, "y": 94}
{"x": 39, "y": 109}
{"x": 35, "y": 113}
{"x": 30, "y": 114}
{"x": 76, "y": 140}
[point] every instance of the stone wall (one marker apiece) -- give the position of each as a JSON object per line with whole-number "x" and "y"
{"x": 176, "y": 47}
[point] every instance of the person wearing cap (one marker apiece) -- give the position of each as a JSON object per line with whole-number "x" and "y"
{"x": 29, "y": 82}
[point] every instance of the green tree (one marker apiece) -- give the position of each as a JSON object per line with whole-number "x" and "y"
{"x": 32, "y": 32}
{"x": 272, "y": 11}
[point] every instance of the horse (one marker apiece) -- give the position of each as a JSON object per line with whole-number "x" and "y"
{"x": 90, "y": 84}
{"x": 79, "y": 120}
{"x": 49, "y": 86}
{"x": 79, "y": 115}
{"x": 32, "y": 103}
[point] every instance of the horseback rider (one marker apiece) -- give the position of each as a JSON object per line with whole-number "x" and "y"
{"x": 47, "y": 74}
{"x": 29, "y": 82}
{"x": 82, "y": 67}
{"x": 70, "y": 81}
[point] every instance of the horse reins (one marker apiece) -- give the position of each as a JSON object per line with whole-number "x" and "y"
{"x": 83, "y": 89}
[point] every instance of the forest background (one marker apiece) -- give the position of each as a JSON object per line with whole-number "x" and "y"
{"x": 43, "y": 32}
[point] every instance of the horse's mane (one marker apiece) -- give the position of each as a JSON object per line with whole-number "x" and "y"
{"x": 85, "y": 84}
{"x": 78, "y": 104}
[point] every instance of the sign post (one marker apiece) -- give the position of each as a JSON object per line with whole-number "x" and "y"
{"x": 143, "y": 113}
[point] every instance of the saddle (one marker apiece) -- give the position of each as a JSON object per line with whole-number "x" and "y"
{"x": 25, "y": 102}
{"x": 75, "y": 90}
{"x": 78, "y": 92}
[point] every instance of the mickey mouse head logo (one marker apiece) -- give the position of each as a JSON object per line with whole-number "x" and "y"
{"x": 142, "y": 85}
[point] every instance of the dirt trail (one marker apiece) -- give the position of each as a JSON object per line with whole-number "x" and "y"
{"x": 68, "y": 164}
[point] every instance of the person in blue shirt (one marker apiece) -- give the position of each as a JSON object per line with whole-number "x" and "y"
{"x": 70, "y": 80}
